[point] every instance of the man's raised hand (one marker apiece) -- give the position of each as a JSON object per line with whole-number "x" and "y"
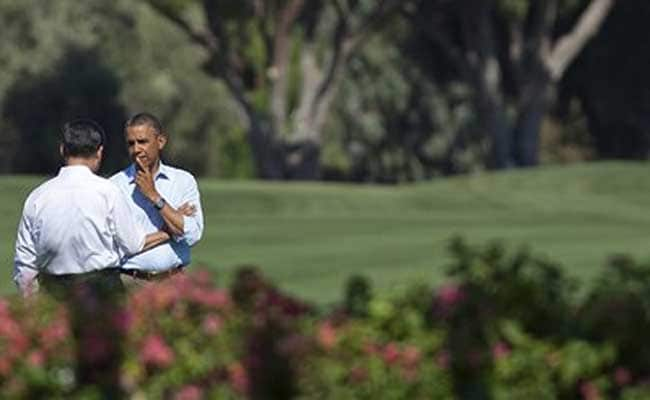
{"x": 144, "y": 181}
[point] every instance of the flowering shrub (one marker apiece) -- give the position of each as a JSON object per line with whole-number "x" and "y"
{"x": 36, "y": 356}
{"x": 503, "y": 326}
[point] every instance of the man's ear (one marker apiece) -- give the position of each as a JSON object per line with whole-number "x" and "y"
{"x": 100, "y": 152}
{"x": 162, "y": 141}
{"x": 61, "y": 151}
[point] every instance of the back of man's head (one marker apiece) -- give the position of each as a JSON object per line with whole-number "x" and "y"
{"x": 82, "y": 138}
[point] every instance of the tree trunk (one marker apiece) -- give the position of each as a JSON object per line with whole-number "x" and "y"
{"x": 302, "y": 161}
{"x": 526, "y": 133}
{"x": 267, "y": 155}
{"x": 278, "y": 160}
{"x": 495, "y": 125}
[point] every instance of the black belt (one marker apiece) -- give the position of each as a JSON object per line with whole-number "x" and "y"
{"x": 151, "y": 276}
{"x": 82, "y": 275}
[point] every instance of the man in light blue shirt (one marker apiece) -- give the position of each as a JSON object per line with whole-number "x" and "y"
{"x": 161, "y": 197}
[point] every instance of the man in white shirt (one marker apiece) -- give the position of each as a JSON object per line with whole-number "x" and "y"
{"x": 77, "y": 225}
{"x": 75, "y": 230}
{"x": 161, "y": 197}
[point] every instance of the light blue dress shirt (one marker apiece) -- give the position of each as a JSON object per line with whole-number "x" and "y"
{"x": 176, "y": 187}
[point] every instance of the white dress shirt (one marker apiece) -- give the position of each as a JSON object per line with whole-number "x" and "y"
{"x": 75, "y": 222}
{"x": 176, "y": 186}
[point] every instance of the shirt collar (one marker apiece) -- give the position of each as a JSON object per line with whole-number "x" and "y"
{"x": 164, "y": 172}
{"x": 75, "y": 169}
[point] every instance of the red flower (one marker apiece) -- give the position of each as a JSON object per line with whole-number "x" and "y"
{"x": 358, "y": 374}
{"x": 622, "y": 376}
{"x": 391, "y": 353}
{"x": 411, "y": 356}
{"x": 443, "y": 359}
{"x": 500, "y": 350}
{"x": 189, "y": 392}
{"x": 238, "y": 378}
{"x": 155, "y": 352}
{"x": 327, "y": 336}
{"x": 589, "y": 391}
{"x": 5, "y": 366}
{"x": 4, "y": 307}
{"x": 212, "y": 324}
{"x": 450, "y": 295}
{"x": 215, "y": 298}
{"x": 55, "y": 333}
{"x": 371, "y": 348}
{"x": 36, "y": 358}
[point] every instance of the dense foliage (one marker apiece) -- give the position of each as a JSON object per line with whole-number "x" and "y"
{"x": 506, "y": 325}
{"x": 366, "y": 90}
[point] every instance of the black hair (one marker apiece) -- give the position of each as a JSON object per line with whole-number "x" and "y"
{"x": 144, "y": 118}
{"x": 82, "y": 138}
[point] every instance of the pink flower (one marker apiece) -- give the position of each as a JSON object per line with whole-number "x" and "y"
{"x": 410, "y": 356}
{"x": 4, "y": 307}
{"x": 589, "y": 391}
{"x": 189, "y": 392}
{"x": 500, "y": 350}
{"x": 327, "y": 336}
{"x": 409, "y": 374}
{"x": 215, "y": 298}
{"x": 36, "y": 358}
{"x": 371, "y": 348}
{"x": 294, "y": 345}
{"x": 358, "y": 374}
{"x": 391, "y": 353}
{"x": 622, "y": 376}
{"x": 202, "y": 277}
{"x": 238, "y": 378}
{"x": 450, "y": 295}
{"x": 155, "y": 352}
{"x": 55, "y": 333}
{"x": 14, "y": 336}
{"x": 212, "y": 324}
{"x": 443, "y": 359}
{"x": 5, "y": 366}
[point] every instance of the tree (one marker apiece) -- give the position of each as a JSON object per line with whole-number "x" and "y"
{"x": 512, "y": 53}
{"x": 611, "y": 80}
{"x": 51, "y": 73}
{"x": 106, "y": 60}
{"x": 392, "y": 122}
{"x": 282, "y": 61}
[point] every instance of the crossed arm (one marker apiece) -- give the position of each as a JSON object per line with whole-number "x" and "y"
{"x": 176, "y": 220}
{"x": 159, "y": 237}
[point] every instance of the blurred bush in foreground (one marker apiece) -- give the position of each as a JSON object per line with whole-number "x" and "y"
{"x": 504, "y": 326}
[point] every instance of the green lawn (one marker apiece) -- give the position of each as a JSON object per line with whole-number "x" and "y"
{"x": 309, "y": 237}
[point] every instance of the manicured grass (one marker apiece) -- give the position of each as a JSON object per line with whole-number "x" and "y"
{"x": 310, "y": 237}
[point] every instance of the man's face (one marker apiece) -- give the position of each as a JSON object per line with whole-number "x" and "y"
{"x": 145, "y": 144}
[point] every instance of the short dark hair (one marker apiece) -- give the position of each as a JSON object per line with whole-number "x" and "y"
{"x": 82, "y": 138}
{"x": 144, "y": 118}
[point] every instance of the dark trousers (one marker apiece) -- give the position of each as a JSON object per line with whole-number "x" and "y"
{"x": 94, "y": 301}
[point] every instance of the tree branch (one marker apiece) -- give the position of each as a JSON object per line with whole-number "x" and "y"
{"x": 202, "y": 37}
{"x": 281, "y": 53}
{"x": 344, "y": 43}
{"x": 569, "y": 46}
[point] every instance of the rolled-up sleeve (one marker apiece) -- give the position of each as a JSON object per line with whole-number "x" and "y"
{"x": 129, "y": 236}
{"x": 25, "y": 270}
{"x": 192, "y": 225}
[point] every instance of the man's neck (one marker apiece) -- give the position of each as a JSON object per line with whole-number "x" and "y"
{"x": 80, "y": 161}
{"x": 155, "y": 168}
